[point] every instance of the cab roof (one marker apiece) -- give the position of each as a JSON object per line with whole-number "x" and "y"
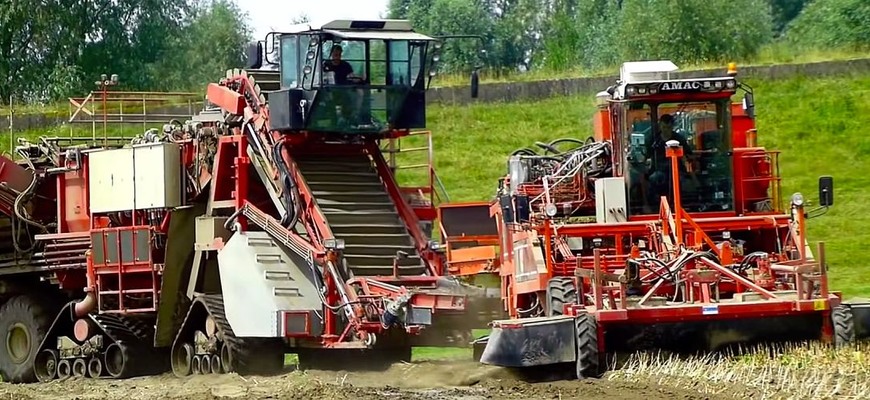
{"x": 378, "y": 29}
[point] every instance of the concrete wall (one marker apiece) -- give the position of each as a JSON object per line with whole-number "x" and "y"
{"x": 536, "y": 90}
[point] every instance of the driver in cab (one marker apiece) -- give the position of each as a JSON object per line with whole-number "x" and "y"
{"x": 660, "y": 168}
{"x": 341, "y": 70}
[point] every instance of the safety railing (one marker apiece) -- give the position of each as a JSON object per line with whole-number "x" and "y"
{"x": 761, "y": 181}
{"x": 432, "y": 192}
{"x": 123, "y": 109}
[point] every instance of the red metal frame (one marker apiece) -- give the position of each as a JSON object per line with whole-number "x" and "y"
{"x": 231, "y": 183}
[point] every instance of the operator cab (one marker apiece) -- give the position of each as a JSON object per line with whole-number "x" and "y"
{"x": 350, "y": 77}
{"x": 648, "y": 109}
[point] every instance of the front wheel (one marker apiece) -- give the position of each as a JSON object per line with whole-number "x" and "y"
{"x": 23, "y": 324}
{"x": 589, "y": 357}
{"x": 844, "y": 325}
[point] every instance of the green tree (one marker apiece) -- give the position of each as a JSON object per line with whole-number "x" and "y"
{"x": 213, "y": 40}
{"x": 832, "y": 23}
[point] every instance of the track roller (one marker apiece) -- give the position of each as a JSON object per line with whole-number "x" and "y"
{"x": 95, "y": 367}
{"x": 79, "y": 368}
{"x": 45, "y": 365}
{"x": 208, "y": 342}
{"x": 64, "y": 369}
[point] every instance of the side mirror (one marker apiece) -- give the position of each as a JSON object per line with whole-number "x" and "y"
{"x": 749, "y": 105}
{"x": 475, "y": 83}
{"x": 254, "y": 55}
{"x": 826, "y": 191}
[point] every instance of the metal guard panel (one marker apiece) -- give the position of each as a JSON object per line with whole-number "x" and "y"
{"x": 260, "y": 279}
{"x": 861, "y": 318}
{"x": 517, "y": 343}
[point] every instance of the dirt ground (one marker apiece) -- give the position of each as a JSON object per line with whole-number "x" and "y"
{"x": 419, "y": 380}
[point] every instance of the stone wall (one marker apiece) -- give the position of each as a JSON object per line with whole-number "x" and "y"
{"x": 536, "y": 90}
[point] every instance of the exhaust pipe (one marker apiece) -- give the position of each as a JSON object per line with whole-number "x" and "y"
{"x": 89, "y": 303}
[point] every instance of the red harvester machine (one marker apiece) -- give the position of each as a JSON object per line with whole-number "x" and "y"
{"x": 664, "y": 230}
{"x": 269, "y": 223}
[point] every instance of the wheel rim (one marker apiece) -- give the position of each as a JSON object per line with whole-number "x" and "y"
{"x": 18, "y": 343}
{"x": 95, "y": 368}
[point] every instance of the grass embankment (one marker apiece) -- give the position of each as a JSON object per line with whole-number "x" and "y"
{"x": 818, "y": 124}
{"x": 769, "y": 55}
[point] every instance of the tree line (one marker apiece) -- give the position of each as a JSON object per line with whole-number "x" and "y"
{"x": 52, "y": 49}
{"x": 523, "y": 35}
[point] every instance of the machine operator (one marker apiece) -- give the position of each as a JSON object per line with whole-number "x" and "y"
{"x": 660, "y": 164}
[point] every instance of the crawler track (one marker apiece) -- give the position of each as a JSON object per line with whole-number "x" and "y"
{"x": 223, "y": 350}
{"x": 117, "y": 347}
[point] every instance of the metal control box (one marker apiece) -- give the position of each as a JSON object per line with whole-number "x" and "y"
{"x": 140, "y": 177}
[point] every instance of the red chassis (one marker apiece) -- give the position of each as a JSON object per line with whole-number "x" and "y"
{"x": 368, "y": 297}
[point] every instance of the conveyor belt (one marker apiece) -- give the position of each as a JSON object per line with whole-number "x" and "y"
{"x": 359, "y": 210}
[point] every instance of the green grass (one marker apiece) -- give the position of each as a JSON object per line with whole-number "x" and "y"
{"x": 772, "y": 54}
{"x": 820, "y": 125}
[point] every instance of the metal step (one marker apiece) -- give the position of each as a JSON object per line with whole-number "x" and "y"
{"x": 377, "y": 250}
{"x": 338, "y": 187}
{"x": 315, "y": 177}
{"x": 362, "y": 260}
{"x": 341, "y": 230}
{"x": 358, "y": 209}
{"x": 375, "y": 239}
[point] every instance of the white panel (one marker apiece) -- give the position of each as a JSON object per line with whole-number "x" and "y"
{"x": 158, "y": 175}
{"x": 110, "y": 180}
{"x": 141, "y": 177}
{"x": 260, "y": 280}
{"x": 610, "y": 202}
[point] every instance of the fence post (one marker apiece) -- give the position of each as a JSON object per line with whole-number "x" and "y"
{"x": 11, "y": 127}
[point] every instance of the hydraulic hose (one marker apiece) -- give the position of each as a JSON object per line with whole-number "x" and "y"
{"x": 289, "y": 190}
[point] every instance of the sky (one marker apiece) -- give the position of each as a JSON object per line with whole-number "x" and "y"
{"x": 274, "y": 15}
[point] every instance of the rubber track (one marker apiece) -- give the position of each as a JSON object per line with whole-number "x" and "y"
{"x": 135, "y": 341}
{"x": 244, "y": 351}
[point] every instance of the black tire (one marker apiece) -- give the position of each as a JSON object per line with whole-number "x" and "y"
{"x": 560, "y": 291}
{"x": 589, "y": 358}
{"x": 844, "y": 325}
{"x": 24, "y": 322}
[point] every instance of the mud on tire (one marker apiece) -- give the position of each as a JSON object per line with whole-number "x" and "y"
{"x": 24, "y": 322}
{"x": 844, "y": 326}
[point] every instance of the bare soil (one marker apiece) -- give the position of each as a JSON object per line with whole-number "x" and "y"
{"x": 419, "y": 380}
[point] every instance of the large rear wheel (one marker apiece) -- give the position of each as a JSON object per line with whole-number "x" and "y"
{"x": 23, "y": 324}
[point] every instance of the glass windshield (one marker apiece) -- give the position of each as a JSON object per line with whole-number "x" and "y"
{"x": 703, "y": 130}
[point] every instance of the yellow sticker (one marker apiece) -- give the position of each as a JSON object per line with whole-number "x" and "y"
{"x": 819, "y": 304}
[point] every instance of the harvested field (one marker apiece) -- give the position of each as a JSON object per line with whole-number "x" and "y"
{"x": 805, "y": 372}
{"x": 419, "y": 380}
